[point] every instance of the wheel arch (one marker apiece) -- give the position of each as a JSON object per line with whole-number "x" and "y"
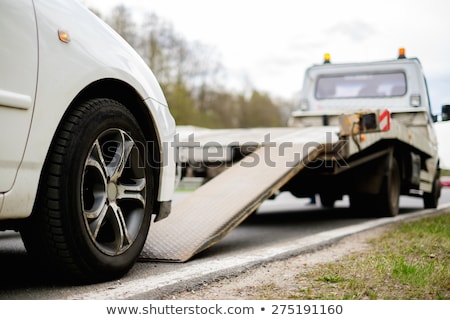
{"x": 130, "y": 98}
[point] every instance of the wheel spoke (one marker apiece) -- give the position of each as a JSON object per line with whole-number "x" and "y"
{"x": 122, "y": 238}
{"x": 96, "y": 220}
{"x": 132, "y": 191}
{"x": 96, "y": 159}
{"x": 119, "y": 161}
{"x": 95, "y": 213}
{"x": 94, "y": 183}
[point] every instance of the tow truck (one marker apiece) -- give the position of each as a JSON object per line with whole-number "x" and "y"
{"x": 388, "y": 144}
{"x": 363, "y": 130}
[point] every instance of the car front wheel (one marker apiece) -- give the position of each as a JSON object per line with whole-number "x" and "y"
{"x": 95, "y": 200}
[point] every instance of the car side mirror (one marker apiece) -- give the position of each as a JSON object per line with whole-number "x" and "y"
{"x": 446, "y": 112}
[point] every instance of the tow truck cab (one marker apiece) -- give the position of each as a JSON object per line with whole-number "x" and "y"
{"x": 328, "y": 89}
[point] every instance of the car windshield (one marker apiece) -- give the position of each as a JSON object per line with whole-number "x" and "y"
{"x": 367, "y": 85}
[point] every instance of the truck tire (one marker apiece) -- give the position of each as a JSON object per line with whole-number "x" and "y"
{"x": 431, "y": 199}
{"x": 95, "y": 199}
{"x": 327, "y": 200}
{"x": 387, "y": 201}
{"x": 383, "y": 204}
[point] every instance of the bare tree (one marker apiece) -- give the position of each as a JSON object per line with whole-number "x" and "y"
{"x": 191, "y": 76}
{"x": 121, "y": 20}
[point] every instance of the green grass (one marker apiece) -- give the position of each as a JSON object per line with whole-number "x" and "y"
{"x": 409, "y": 261}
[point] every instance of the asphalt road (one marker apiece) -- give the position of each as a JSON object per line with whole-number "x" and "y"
{"x": 280, "y": 228}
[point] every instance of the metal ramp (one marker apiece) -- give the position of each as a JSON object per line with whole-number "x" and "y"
{"x": 204, "y": 217}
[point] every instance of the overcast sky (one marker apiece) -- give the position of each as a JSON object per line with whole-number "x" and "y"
{"x": 270, "y": 43}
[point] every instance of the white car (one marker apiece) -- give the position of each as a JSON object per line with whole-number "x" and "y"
{"x": 86, "y": 153}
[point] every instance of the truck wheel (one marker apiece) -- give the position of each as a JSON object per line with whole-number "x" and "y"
{"x": 327, "y": 200}
{"x": 388, "y": 200}
{"x": 383, "y": 204}
{"x": 94, "y": 202}
{"x": 431, "y": 199}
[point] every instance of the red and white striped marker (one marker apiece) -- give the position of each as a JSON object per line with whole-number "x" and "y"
{"x": 385, "y": 120}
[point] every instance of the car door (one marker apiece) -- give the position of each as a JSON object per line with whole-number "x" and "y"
{"x": 18, "y": 76}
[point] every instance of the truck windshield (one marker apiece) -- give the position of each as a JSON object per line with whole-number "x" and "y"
{"x": 367, "y": 85}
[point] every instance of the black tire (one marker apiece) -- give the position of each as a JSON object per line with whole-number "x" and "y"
{"x": 95, "y": 200}
{"x": 386, "y": 202}
{"x": 327, "y": 200}
{"x": 431, "y": 199}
